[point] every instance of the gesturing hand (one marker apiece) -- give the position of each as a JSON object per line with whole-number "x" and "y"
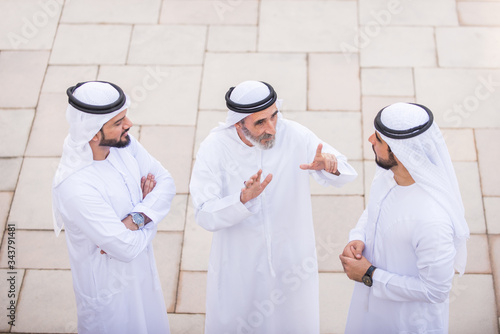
{"x": 253, "y": 187}
{"x": 147, "y": 184}
{"x": 326, "y": 161}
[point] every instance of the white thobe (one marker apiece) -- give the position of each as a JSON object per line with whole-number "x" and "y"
{"x": 118, "y": 292}
{"x": 409, "y": 238}
{"x": 262, "y": 274}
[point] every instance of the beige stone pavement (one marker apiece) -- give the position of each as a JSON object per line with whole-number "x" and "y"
{"x": 335, "y": 63}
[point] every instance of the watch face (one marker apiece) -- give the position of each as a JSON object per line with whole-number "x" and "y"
{"x": 367, "y": 280}
{"x": 137, "y": 218}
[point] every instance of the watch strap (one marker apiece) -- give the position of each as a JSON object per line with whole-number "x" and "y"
{"x": 370, "y": 271}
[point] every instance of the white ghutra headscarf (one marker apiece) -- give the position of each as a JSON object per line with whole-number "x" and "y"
{"x": 417, "y": 142}
{"x": 84, "y": 125}
{"x": 256, "y": 94}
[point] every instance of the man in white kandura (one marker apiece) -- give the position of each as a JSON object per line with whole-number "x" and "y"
{"x": 262, "y": 275}
{"x": 110, "y": 195}
{"x": 413, "y": 233}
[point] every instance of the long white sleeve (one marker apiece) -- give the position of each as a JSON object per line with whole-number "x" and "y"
{"x": 435, "y": 254}
{"x": 214, "y": 211}
{"x": 98, "y": 222}
{"x": 156, "y": 204}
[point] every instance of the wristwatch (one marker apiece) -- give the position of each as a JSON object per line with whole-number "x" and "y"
{"x": 138, "y": 219}
{"x": 367, "y": 278}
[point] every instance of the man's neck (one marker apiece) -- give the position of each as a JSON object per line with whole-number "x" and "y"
{"x": 402, "y": 176}
{"x": 99, "y": 152}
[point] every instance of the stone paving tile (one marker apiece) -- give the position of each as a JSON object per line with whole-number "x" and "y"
{"x": 369, "y": 169}
{"x": 407, "y": 12}
{"x": 334, "y": 217}
{"x": 354, "y": 188}
{"x": 90, "y": 44}
{"x": 472, "y": 305}
{"x": 495, "y": 259}
{"x": 478, "y": 13}
{"x": 59, "y": 78}
{"x": 167, "y": 247}
{"x": 172, "y": 146}
{"x": 488, "y": 142}
{"x": 471, "y": 97}
{"x": 399, "y": 47}
{"x": 47, "y": 303}
{"x": 333, "y": 82}
{"x": 209, "y": 12}
{"x": 50, "y": 126}
{"x": 192, "y": 292}
{"x": 14, "y": 131}
{"x": 492, "y": 213}
{"x": 28, "y": 25}
{"x": 470, "y": 188}
{"x": 370, "y": 107}
{"x": 207, "y": 120}
{"x": 334, "y": 300}
{"x": 15, "y": 67}
{"x": 387, "y": 81}
{"x": 468, "y": 47}
{"x": 114, "y": 11}
{"x": 5, "y": 201}
{"x": 196, "y": 246}
{"x": 342, "y": 130}
{"x": 460, "y": 143}
{"x": 232, "y": 38}
{"x": 286, "y": 26}
{"x": 478, "y": 255}
{"x": 38, "y": 250}
{"x": 176, "y": 218}
{"x": 9, "y": 293}
{"x": 10, "y": 168}
{"x": 167, "y": 45}
{"x": 287, "y": 73}
{"x": 31, "y": 207}
{"x": 172, "y": 89}
{"x": 186, "y": 323}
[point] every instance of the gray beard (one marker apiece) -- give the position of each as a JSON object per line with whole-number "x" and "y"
{"x": 256, "y": 140}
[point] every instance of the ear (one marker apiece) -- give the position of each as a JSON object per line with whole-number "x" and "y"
{"x": 96, "y": 138}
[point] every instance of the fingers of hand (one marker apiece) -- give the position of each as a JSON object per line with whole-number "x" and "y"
{"x": 266, "y": 181}
{"x": 319, "y": 149}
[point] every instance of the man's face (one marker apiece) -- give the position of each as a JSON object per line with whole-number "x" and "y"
{"x": 260, "y": 128}
{"x": 383, "y": 155}
{"x": 115, "y": 132}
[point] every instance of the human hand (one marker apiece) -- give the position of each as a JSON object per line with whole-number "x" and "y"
{"x": 354, "y": 249}
{"x": 147, "y": 184}
{"x": 326, "y": 161}
{"x": 355, "y": 268}
{"x": 253, "y": 187}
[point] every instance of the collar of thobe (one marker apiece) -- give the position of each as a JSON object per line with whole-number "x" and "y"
{"x": 418, "y": 144}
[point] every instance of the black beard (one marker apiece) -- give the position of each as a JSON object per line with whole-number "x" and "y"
{"x": 114, "y": 142}
{"x": 386, "y": 164}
